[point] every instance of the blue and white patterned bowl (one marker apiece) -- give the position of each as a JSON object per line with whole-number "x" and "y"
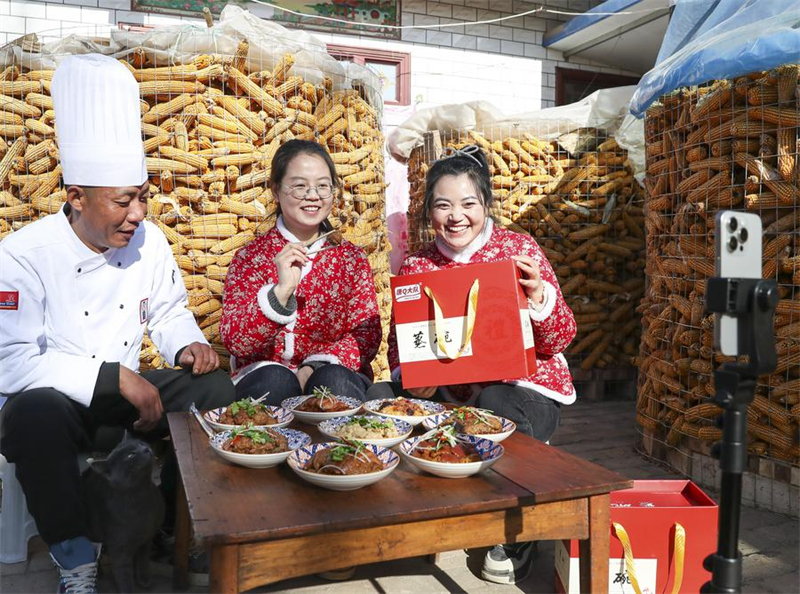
{"x": 404, "y": 429}
{"x": 313, "y": 418}
{"x": 282, "y": 416}
{"x": 508, "y": 427}
{"x": 300, "y": 459}
{"x": 296, "y": 439}
{"x": 432, "y": 408}
{"x": 490, "y": 453}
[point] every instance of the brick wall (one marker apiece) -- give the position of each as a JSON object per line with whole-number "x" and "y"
{"x": 503, "y": 63}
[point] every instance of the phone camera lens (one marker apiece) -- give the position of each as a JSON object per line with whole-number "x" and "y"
{"x": 733, "y": 224}
{"x": 743, "y": 235}
{"x": 733, "y": 243}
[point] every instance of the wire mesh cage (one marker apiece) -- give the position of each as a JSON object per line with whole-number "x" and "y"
{"x": 216, "y": 104}
{"x": 733, "y": 145}
{"x": 577, "y": 196}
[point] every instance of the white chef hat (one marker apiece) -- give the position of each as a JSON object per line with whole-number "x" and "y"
{"x": 96, "y": 101}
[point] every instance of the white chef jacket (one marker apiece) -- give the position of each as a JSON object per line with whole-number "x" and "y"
{"x": 67, "y": 309}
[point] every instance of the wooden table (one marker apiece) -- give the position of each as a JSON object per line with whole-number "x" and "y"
{"x": 264, "y": 526}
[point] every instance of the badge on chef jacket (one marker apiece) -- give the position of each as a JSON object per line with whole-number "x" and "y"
{"x": 144, "y": 310}
{"x": 9, "y": 300}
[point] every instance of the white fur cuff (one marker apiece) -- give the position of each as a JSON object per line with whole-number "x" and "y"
{"x": 323, "y": 358}
{"x": 549, "y": 304}
{"x": 266, "y": 308}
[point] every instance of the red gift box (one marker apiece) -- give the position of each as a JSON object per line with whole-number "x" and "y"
{"x": 669, "y": 527}
{"x": 483, "y": 332}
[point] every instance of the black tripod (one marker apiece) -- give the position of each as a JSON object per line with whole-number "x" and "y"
{"x": 753, "y": 302}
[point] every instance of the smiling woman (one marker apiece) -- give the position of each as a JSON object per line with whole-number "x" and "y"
{"x": 299, "y": 311}
{"x": 458, "y": 197}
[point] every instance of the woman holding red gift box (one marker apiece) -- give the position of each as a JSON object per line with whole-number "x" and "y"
{"x": 458, "y": 196}
{"x": 299, "y": 309}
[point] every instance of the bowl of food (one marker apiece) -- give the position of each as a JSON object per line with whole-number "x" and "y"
{"x": 248, "y": 412}
{"x": 469, "y": 420}
{"x": 258, "y": 447}
{"x": 343, "y": 466}
{"x": 321, "y": 405}
{"x": 445, "y": 453}
{"x": 380, "y": 431}
{"x": 410, "y": 410}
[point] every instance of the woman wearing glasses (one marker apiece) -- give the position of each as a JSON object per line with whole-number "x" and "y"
{"x": 458, "y": 196}
{"x": 299, "y": 311}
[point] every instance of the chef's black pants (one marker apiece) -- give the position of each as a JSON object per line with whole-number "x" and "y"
{"x": 43, "y": 431}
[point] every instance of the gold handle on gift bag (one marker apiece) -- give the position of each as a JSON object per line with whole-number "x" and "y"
{"x": 438, "y": 320}
{"x": 680, "y": 551}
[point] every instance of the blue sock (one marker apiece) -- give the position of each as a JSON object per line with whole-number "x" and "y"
{"x": 74, "y": 552}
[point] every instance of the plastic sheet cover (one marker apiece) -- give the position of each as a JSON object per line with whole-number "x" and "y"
{"x": 718, "y": 39}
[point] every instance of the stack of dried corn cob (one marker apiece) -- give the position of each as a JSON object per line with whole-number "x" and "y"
{"x": 585, "y": 210}
{"x": 210, "y": 128}
{"x": 731, "y": 145}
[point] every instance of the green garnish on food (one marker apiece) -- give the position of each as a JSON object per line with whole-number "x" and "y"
{"x": 245, "y": 404}
{"x": 370, "y": 423}
{"x": 444, "y": 436}
{"x": 259, "y": 436}
{"x": 322, "y": 392}
{"x": 482, "y": 415}
{"x": 340, "y": 452}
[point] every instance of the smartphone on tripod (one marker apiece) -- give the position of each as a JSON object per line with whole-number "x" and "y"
{"x": 738, "y": 255}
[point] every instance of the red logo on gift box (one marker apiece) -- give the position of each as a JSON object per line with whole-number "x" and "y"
{"x": 408, "y": 293}
{"x": 9, "y": 300}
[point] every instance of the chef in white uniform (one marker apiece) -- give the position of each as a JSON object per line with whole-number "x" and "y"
{"x": 77, "y": 291}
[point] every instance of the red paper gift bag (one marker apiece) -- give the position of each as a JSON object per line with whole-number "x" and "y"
{"x": 463, "y": 325}
{"x": 661, "y": 531}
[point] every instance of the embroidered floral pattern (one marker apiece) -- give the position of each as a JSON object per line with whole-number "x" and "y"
{"x": 552, "y": 335}
{"x": 337, "y": 311}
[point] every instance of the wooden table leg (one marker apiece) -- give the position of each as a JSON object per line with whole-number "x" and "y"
{"x": 594, "y": 550}
{"x": 223, "y": 576}
{"x": 180, "y": 575}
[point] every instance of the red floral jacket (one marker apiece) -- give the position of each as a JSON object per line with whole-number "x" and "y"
{"x": 553, "y": 327}
{"x": 336, "y": 320}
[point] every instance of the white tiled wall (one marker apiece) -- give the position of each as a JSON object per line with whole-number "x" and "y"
{"x": 504, "y": 63}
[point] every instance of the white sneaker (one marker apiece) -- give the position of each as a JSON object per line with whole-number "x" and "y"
{"x": 80, "y": 580}
{"x": 509, "y": 564}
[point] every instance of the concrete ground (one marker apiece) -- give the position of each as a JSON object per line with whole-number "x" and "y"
{"x": 603, "y": 432}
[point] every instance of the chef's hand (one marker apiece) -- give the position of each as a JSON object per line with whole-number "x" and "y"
{"x": 289, "y": 263}
{"x": 531, "y": 279}
{"x": 201, "y": 357}
{"x": 422, "y": 392}
{"x": 144, "y": 396}
{"x": 303, "y": 374}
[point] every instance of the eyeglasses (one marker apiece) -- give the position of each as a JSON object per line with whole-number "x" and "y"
{"x": 301, "y": 191}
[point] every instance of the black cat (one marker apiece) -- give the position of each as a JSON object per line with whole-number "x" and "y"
{"x": 124, "y": 510}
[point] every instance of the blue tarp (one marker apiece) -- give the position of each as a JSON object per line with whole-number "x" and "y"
{"x": 717, "y": 39}
{"x": 590, "y": 17}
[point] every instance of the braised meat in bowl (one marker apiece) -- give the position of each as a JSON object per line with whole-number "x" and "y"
{"x": 255, "y": 441}
{"x": 350, "y": 457}
{"x": 442, "y": 445}
{"x": 247, "y": 412}
{"x": 474, "y": 421}
{"x": 343, "y": 466}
